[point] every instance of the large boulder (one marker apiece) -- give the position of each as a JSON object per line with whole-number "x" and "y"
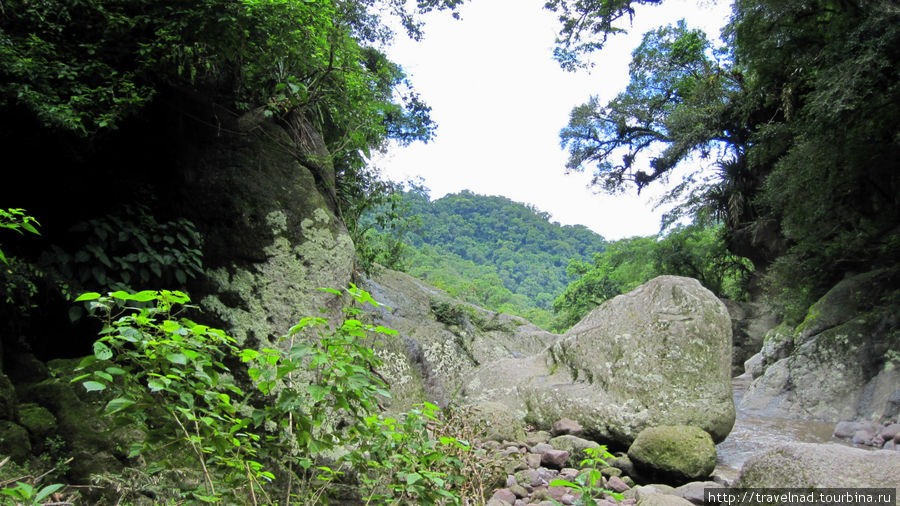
{"x": 808, "y": 465}
{"x": 841, "y": 362}
{"x": 676, "y": 454}
{"x": 659, "y": 355}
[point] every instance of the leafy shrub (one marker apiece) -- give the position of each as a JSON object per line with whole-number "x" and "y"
{"x": 184, "y": 384}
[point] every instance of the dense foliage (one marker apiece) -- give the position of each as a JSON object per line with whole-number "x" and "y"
{"x": 503, "y": 255}
{"x": 694, "y": 251}
{"x": 796, "y": 117}
{"x": 258, "y": 425}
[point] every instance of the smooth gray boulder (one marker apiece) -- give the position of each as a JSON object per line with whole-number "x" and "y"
{"x": 659, "y": 355}
{"x": 841, "y": 363}
{"x": 821, "y": 466}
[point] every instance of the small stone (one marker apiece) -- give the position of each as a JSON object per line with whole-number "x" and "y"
{"x": 861, "y": 437}
{"x": 558, "y": 491}
{"x": 566, "y": 426}
{"x": 519, "y": 491}
{"x": 510, "y": 481}
{"x": 845, "y": 430}
{"x": 889, "y": 431}
{"x": 504, "y": 494}
{"x": 533, "y": 460}
{"x": 616, "y": 484}
{"x": 555, "y": 458}
{"x": 611, "y": 471}
{"x": 540, "y": 494}
{"x": 695, "y": 491}
{"x": 541, "y": 448}
{"x": 533, "y": 438}
{"x": 567, "y": 499}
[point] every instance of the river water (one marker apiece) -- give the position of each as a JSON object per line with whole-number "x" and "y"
{"x": 754, "y": 434}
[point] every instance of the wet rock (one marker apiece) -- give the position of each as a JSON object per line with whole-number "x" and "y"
{"x": 674, "y": 453}
{"x": 889, "y": 431}
{"x": 862, "y": 437}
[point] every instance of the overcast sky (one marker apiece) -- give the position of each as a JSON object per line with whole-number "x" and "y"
{"x": 500, "y": 99}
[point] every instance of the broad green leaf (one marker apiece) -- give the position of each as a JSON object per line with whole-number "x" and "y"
{"x": 102, "y": 351}
{"x": 318, "y": 392}
{"x": 145, "y": 295}
{"x": 93, "y": 386}
{"x": 88, "y": 296}
{"x": 156, "y": 384}
{"x": 116, "y": 405}
{"x": 177, "y": 358}
{"x": 46, "y": 491}
{"x": 103, "y": 375}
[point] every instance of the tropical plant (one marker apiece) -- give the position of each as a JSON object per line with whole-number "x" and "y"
{"x": 589, "y": 483}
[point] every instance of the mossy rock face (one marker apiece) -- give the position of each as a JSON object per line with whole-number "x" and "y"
{"x": 675, "y": 454}
{"x": 14, "y": 442}
{"x": 8, "y": 399}
{"x": 39, "y": 421}
{"x": 841, "y": 363}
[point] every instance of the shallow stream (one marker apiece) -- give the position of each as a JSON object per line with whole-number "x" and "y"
{"x": 753, "y": 433}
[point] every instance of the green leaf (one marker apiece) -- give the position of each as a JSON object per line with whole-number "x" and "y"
{"x": 318, "y": 392}
{"x": 88, "y": 296}
{"x": 102, "y": 351}
{"x": 145, "y": 295}
{"x": 103, "y": 375}
{"x": 177, "y": 358}
{"x": 413, "y": 478}
{"x": 117, "y": 404}
{"x": 93, "y": 386}
{"x": 156, "y": 384}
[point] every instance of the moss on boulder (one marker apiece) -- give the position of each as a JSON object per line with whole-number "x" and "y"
{"x": 14, "y": 442}
{"x": 674, "y": 453}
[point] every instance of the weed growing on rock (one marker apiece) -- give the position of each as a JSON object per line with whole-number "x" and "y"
{"x": 589, "y": 484}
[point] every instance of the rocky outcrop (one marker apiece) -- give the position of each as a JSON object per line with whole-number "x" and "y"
{"x": 675, "y": 454}
{"x": 659, "y": 355}
{"x": 750, "y": 321}
{"x": 441, "y": 341}
{"x": 841, "y": 362}
{"x": 808, "y": 465}
{"x": 271, "y": 232}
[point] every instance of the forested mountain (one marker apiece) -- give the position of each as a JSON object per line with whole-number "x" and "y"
{"x": 505, "y": 255}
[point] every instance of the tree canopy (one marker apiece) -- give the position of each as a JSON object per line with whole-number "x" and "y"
{"x": 796, "y": 119}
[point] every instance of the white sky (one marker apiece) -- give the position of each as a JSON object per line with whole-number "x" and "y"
{"x": 500, "y": 99}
